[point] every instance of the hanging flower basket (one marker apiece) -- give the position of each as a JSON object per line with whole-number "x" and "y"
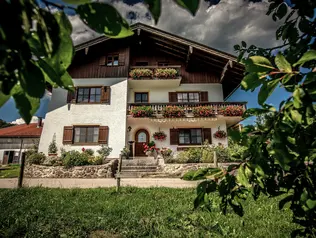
{"x": 220, "y": 134}
{"x": 166, "y": 73}
{"x": 173, "y": 112}
{"x": 231, "y": 111}
{"x": 160, "y": 135}
{"x": 203, "y": 111}
{"x": 141, "y": 73}
{"x": 142, "y": 111}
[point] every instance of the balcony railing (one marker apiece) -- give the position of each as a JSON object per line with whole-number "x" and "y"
{"x": 155, "y": 72}
{"x": 188, "y": 109}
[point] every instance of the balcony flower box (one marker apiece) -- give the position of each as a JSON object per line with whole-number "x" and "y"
{"x": 141, "y": 73}
{"x": 203, "y": 111}
{"x": 231, "y": 111}
{"x": 142, "y": 111}
{"x": 173, "y": 112}
{"x": 166, "y": 73}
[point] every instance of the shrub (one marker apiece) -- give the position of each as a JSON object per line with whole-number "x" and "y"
{"x": 97, "y": 160}
{"x": 142, "y": 111}
{"x": 105, "y": 151}
{"x": 141, "y": 73}
{"x": 166, "y": 152}
{"x": 75, "y": 158}
{"x": 173, "y": 112}
{"x": 203, "y": 111}
{"x": 53, "y": 161}
{"x": 36, "y": 158}
{"x": 89, "y": 152}
{"x": 199, "y": 174}
{"x": 52, "y": 148}
{"x": 125, "y": 152}
{"x": 166, "y": 73}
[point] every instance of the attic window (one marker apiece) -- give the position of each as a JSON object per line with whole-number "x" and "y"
{"x": 112, "y": 60}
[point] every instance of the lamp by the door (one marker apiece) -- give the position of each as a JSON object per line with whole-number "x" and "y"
{"x": 129, "y": 128}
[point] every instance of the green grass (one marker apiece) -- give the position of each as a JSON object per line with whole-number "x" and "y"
{"x": 135, "y": 212}
{"x": 11, "y": 171}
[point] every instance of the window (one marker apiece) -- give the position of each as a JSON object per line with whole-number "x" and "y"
{"x": 142, "y": 137}
{"x": 190, "y": 136}
{"x": 142, "y": 63}
{"x": 86, "y": 134}
{"x": 112, "y": 60}
{"x": 89, "y": 95}
{"x": 141, "y": 97}
{"x": 163, "y": 64}
{"x": 188, "y": 97}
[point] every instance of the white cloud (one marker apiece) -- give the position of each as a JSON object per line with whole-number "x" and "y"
{"x": 220, "y": 26}
{"x": 20, "y": 121}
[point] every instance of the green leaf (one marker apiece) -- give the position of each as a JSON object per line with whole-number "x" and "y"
{"x": 26, "y": 105}
{"x": 241, "y": 176}
{"x": 154, "y": 7}
{"x": 258, "y": 64}
{"x": 255, "y": 112}
{"x": 76, "y": 2}
{"x": 3, "y": 98}
{"x": 32, "y": 80}
{"x": 297, "y": 94}
{"x": 296, "y": 116}
{"x": 266, "y": 90}
{"x": 236, "y": 47}
{"x": 104, "y": 18}
{"x": 311, "y": 204}
{"x": 191, "y": 5}
{"x": 281, "y": 11}
{"x": 250, "y": 82}
{"x": 244, "y": 44}
{"x": 282, "y": 63}
{"x": 308, "y": 56}
{"x": 207, "y": 186}
{"x": 237, "y": 207}
{"x": 285, "y": 201}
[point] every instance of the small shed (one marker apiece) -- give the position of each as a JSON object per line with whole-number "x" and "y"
{"x": 16, "y": 138}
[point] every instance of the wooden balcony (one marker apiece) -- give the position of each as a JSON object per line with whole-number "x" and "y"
{"x": 192, "y": 109}
{"x": 154, "y": 76}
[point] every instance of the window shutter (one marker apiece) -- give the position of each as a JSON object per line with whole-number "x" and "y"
{"x": 71, "y": 96}
{"x": 105, "y": 94}
{"x": 174, "y": 136}
{"x": 207, "y": 135}
{"x": 103, "y": 134}
{"x": 173, "y": 97}
{"x": 121, "y": 59}
{"x": 102, "y": 60}
{"x": 68, "y": 135}
{"x": 204, "y": 96}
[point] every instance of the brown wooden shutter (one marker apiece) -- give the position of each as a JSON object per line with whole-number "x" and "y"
{"x": 105, "y": 94}
{"x": 71, "y": 96}
{"x": 204, "y": 96}
{"x": 68, "y": 135}
{"x": 102, "y": 60}
{"x": 121, "y": 59}
{"x": 207, "y": 135}
{"x": 174, "y": 136}
{"x": 173, "y": 97}
{"x": 103, "y": 134}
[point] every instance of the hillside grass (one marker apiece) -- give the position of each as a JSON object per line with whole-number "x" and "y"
{"x": 134, "y": 212}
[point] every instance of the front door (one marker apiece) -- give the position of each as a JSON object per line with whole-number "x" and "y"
{"x": 141, "y": 138}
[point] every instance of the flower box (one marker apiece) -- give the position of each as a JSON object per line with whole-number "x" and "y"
{"x": 203, "y": 111}
{"x": 166, "y": 73}
{"x": 142, "y": 111}
{"x": 231, "y": 111}
{"x": 173, "y": 112}
{"x": 141, "y": 73}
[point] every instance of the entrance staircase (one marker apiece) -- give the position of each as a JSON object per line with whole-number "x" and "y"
{"x": 139, "y": 167}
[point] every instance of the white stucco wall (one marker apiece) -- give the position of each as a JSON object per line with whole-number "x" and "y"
{"x": 113, "y": 115}
{"x": 152, "y": 127}
{"x": 215, "y": 92}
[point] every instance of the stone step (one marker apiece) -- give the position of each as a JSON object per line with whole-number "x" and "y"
{"x": 132, "y": 167}
{"x": 134, "y": 174}
{"x": 139, "y": 170}
{"x": 141, "y": 162}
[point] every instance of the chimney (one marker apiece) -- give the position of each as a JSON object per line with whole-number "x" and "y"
{"x": 39, "y": 122}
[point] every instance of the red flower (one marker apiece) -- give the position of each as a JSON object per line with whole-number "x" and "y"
{"x": 83, "y": 149}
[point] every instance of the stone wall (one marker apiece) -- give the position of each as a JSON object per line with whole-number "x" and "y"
{"x": 91, "y": 171}
{"x": 178, "y": 170}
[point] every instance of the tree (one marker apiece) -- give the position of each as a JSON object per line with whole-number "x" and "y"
{"x": 39, "y": 50}
{"x": 4, "y": 124}
{"x": 281, "y": 154}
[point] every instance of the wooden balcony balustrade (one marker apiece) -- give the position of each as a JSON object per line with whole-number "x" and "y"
{"x": 155, "y": 72}
{"x": 188, "y": 107}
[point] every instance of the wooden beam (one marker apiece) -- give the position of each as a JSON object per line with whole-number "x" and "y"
{"x": 167, "y": 42}
{"x": 229, "y": 63}
{"x": 190, "y": 52}
{"x": 168, "y": 52}
{"x": 170, "y": 48}
{"x": 86, "y": 50}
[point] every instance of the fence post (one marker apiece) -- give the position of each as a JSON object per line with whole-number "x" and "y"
{"x": 215, "y": 160}
{"x": 20, "y": 180}
{"x": 118, "y": 174}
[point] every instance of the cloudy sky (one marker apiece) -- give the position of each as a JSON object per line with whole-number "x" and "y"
{"x": 220, "y": 26}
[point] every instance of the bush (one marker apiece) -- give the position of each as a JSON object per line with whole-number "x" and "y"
{"x": 125, "y": 152}
{"x": 97, "y": 160}
{"x": 75, "y": 158}
{"x": 200, "y": 174}
{"x": 53, "y": 161}
{"x": 36, "y": 158}
{"x": 52, "y": 148}
{"x": 105, "y": 151}
{"x": 89, "y": 152}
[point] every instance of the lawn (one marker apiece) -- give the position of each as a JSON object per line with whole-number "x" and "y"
{"x": 10, "y": 171}
{"x": 135, "y": 212}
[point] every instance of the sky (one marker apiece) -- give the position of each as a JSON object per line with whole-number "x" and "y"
{"x": 220, "y": 26}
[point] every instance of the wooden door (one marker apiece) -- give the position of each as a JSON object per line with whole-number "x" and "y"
{"x": 141, "y": 138}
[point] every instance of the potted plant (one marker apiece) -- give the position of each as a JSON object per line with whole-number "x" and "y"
{"x": 173, "y": 112}
{"x": 150, "y": 149}
{"x": 160, "y": 135}
{"x": 52, "y": 148}
{"x": 166, "y": 152}
{"x": 220, "y": 134}
{"x": 203, "y": 111}
{"x": 142, "y": 111}
{"x": 141, "y": 73}
{"x": 166, "y": 73}
{"x": 232, "y": 111}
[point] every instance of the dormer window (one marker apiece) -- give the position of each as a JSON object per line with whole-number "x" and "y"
{"x": 112, "y": 60}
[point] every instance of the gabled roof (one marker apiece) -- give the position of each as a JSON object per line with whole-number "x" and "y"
{"x": 22, "y": 130}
